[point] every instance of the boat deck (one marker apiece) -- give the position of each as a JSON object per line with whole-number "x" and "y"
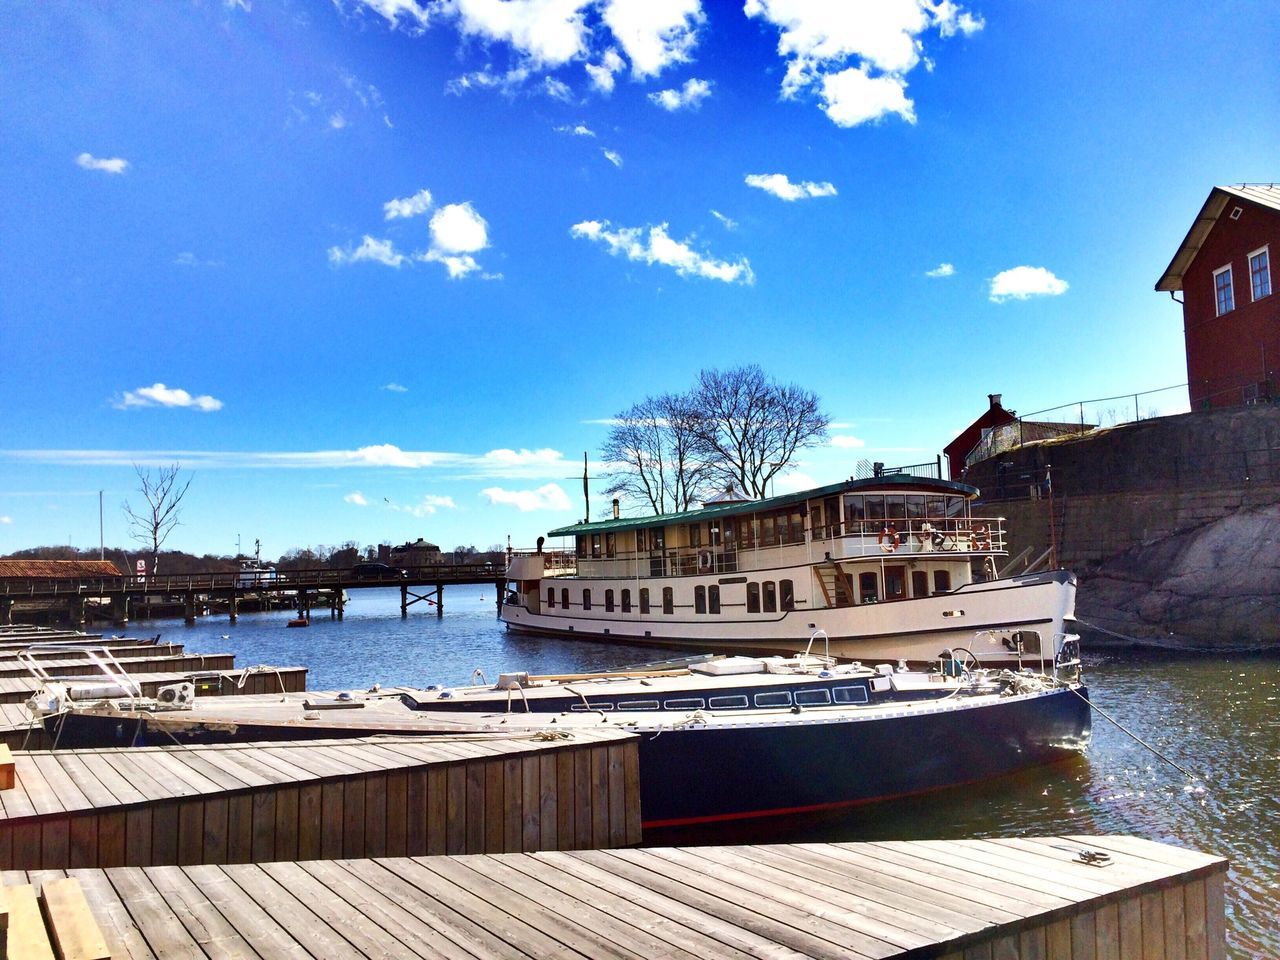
{"x": 954, "y": 900}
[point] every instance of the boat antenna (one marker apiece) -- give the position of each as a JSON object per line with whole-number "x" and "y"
{"x": 586, "y": 499}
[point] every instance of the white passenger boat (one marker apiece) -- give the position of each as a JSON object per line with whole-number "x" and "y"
{"x": 892, "y": 568}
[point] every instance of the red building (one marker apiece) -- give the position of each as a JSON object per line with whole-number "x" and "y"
{"x": 1229, "y": 314}
{"x": 961, "y": 446}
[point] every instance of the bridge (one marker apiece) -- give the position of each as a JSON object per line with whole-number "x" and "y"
{"x": 80, "y": 596}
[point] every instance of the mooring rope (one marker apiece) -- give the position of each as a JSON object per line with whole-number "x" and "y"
{"x": 1181, "y": 769}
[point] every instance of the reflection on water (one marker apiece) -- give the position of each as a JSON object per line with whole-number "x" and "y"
{"x": 1215, "y": 717}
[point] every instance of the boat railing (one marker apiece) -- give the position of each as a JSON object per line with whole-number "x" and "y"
{"x": 105, "y": 676}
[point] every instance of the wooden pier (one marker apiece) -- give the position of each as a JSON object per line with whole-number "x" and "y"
{"x": 1029, "y": 899}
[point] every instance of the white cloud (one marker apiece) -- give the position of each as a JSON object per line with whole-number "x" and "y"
{"x": 577, "y": 130}
{"x": 847, "y": 442}
{"x": 654, "y": 33}
{"x": 357, "y": 498}
{"x": 941, "y": 270}
{"x": 612, "y": 156}
{"x": 728, "y": 223}
{"x": 6, "y": 520}
{"x": 337, "y": 121}
{"x": 409, "y": 13}
{"x": 106, "y": 164}
{"x": 189, "y": 259}
{"x": 781, "y": 187}
{"x": 547, "y": 32}
{"x": 395, "y": 388}
{"x": 548, "y": 497}
{"x": 458, "y": 228}
{"x": 602, "y": 74}
{"x": 1021, "y": 283}
{"x": 411, "y": 206}
{"x": 658, "y": 247}
{"x": 377, "y": 251}
{"x": 690, "y": 96}
{"x": 506, "y": 457}
{"x": 557, "y": 89}
{"x": 858, "y": 55}
{"x": 158, "y": 395}
{"x": 427, "y": 506}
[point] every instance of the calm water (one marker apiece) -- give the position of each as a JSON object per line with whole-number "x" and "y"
{"x": 1218, "y": 718}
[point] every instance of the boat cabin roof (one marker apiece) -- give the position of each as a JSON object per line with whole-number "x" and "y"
{"x": 896, "y": 482}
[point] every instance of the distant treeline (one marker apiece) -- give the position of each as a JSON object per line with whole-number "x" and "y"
{"x": 306, "y": 558}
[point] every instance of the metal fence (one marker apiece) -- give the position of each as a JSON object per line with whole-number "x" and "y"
{"x": 865, "y": 469}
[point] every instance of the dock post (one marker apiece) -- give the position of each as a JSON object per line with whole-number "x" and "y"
{"x": 404, "y": 600}
{"x": 120, "y": 610}
{"x": 233, "y": 606}
{"x": 189, "y": 608}
{"x": 6, "y": 610}
{"x": 304, "y": 604}
{"x": 439, "y": 600}
{"x": 501, "y": 584}
{"x": 76, "y": 612}
{"x": 339, "y": 603}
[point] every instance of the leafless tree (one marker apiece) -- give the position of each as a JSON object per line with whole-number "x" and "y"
{"x": 651, "y": 455}
{"x": 163, "y": 493}
{"x": 749, "y": 427}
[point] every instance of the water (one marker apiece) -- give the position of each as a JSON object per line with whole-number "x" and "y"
{"x": 1218, "y": 718}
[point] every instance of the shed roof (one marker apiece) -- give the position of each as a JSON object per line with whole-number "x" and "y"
{"x": 893, "y": 480}
{"x": 58, "y": 569}
{"x": 1263, "y": 194}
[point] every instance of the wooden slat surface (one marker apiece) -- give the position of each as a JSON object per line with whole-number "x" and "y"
{"x": 774, "y": 902}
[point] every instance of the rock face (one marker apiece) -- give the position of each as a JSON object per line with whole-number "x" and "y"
{"x": 1212, "y": 588}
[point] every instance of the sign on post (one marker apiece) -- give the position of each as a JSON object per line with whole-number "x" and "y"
{"x": 141, "y": 570}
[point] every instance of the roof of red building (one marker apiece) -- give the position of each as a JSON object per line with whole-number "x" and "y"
{"x": 58, "y": 569}
{"x": 1263, "y": 194}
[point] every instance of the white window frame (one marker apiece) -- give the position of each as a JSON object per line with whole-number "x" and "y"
{"x": 1248, "y": 260}
{"x": 1231, "y": 286}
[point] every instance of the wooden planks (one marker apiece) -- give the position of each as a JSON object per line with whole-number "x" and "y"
{"x": 773, "y": 902}
{"x": 302, "y": 800}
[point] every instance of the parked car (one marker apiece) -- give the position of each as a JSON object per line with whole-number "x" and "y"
{"x": 376, "y": 570}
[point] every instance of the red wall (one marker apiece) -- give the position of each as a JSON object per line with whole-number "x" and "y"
{"x": 960, "y": 447}
{"x": 1226, "y": 353}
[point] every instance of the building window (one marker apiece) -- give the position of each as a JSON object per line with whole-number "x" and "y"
{"x": 551, "y": 597}
{"x": 1260, "y": 273}
{"x": 1222, "y": 290}
{"x": 668, "y": 601}
{"x": 564, "y": 598}
{"x": 626, "y": 601}
{"x": 586, "y": 599}
{"x": 753, "y": 598}
{"x": 608, "y": 601}
{"x": 713, "y": 599}
{"x": 699, "y": 599}
{"x": 770, "y": 597}
{"x": 644, "y": 599}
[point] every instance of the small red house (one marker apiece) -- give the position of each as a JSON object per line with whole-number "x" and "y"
{"x": 960, "y": 447}
{"x": 1230, "y": 315}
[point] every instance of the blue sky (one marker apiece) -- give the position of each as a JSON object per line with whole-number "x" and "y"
{"x": 379, "y": 269}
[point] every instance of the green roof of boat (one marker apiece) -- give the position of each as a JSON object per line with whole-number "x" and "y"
{"x": 733, "y": 508}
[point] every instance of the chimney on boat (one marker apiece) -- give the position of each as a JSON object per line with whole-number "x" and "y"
{"x": 616, "y": 512}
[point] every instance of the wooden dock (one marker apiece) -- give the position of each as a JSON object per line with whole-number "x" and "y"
{"x": 1027, "y": 899}
{"x": 299, "y": 800}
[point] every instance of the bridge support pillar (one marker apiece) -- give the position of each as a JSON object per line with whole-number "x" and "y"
{"x": 339, "y": 606}
{"x": 120, "y": 610}
{"x": 439, "y": 600}
{"x": 404, "y": 600}
{"x": 501, "y": 584}
{"x": 6, "y": 610}
{"x": 304, "y": 604}
{"x": 233, "y": 606}
{"x": 189, "y": 608}
{"x": 76, "y": 611}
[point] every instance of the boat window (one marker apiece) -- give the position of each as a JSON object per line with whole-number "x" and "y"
{"x": 699, "y": 599}
{"x": 738, "y": 702}
{"x": 657, "y": 538}
{"x": 919, "y": 583}
{"x": 855, "y": 511}
{"x": 753, "y": 598}
{"x": 626, "y": 601}
{"x": 778, "y": 698}
{"x": 641, "y": 541}
{"x": 936, "y": 507}
{"x": 796, "y": 534}
{"x": 915, "y": 507}
{"x": 748, "y": 532}
{"x": 608, "y": 601}
{"x": 551, "y": 597}
{"x": 581, "y": 542}
{"x": 564, "y": 598}
{"x": 942, "y": 581}
{"x": 955, "y": 506}
{"x": 832, "y": 513}
{"x": 770, "y": 597}
{"x": 668, "y": 601}
{"x": 815, "y": 518}
{"x": 610, "y": 544}
{"x": 895, "y": 582}
{"x": 595, "y": 546}
{"x": 713, "y": 598}
{"x": 714, "y": 538}
{"x": 809, "y": 698}
{"x": 644, "y": 599}
{"x": 695, "y": 534}
{"x": 589, "y": 705}
{"x": 638, "y": 705}
{"x": 855, "y": 694}
{"x": 689, "y": 703}
{"x": 768, "y": 530}
{"x": 875, "y": 511}
{"x": 586, "y": 599}
{"x": 787, "y": 594}
{"x": 896, "y": 507}
{"x": 869, "y": 587}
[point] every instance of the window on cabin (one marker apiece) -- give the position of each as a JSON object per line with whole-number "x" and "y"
{"x": 787, "y": 594}
{"x": 551, "y": 597}
{"x": 919, "y": 583}
{"x": 915, "y": 508}
{"x": 608, "y": 601}
{"x": 895, "y": 582}
{"x": 714, "y": 531}
{"x": 586, "y": 599}
{"x": 936, "y": 508}
{"x": 875, "y": 514}
{"x": 796, "y": 524}
{"x": 855, "y": 512}
{"x": 642, "y": 542}
{"x": 564, "y": 598}
{"x": 1222, "y": 290}
{"x": 644, "y": 599}
{"x": 595, "y": 546}
{"x": 753, "y": 598}
{"x": 695, "y": 534}
{"x": 869, "y": 587}
{"x": 626, "y": 601}
{"x": 657, "y": 539}
{"x": 768, "y": 530}
{"x": 668, "y": 601}
{"x": 942, "y": 581}
{"x": 581, "y": 542}
{"x": 713, "y": 598}
{"x": 770, "y": 597}
{"x": 699, "y": 599}
{"x": 610, "y": 544}
{"x": 896, "y": 508}
{"x": 1260, "y": 273}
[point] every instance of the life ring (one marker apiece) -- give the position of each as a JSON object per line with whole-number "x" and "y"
{"x": 937, "y": 539}
{"x": 704, "y": 561}
{"x": 980, "y": 537}
{"x": 888, "y": 538}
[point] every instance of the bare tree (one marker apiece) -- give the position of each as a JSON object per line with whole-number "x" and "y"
{"x": 163, "y": 492}
{"x": 749, "y": 427}
{"x": 651, "y": 452}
